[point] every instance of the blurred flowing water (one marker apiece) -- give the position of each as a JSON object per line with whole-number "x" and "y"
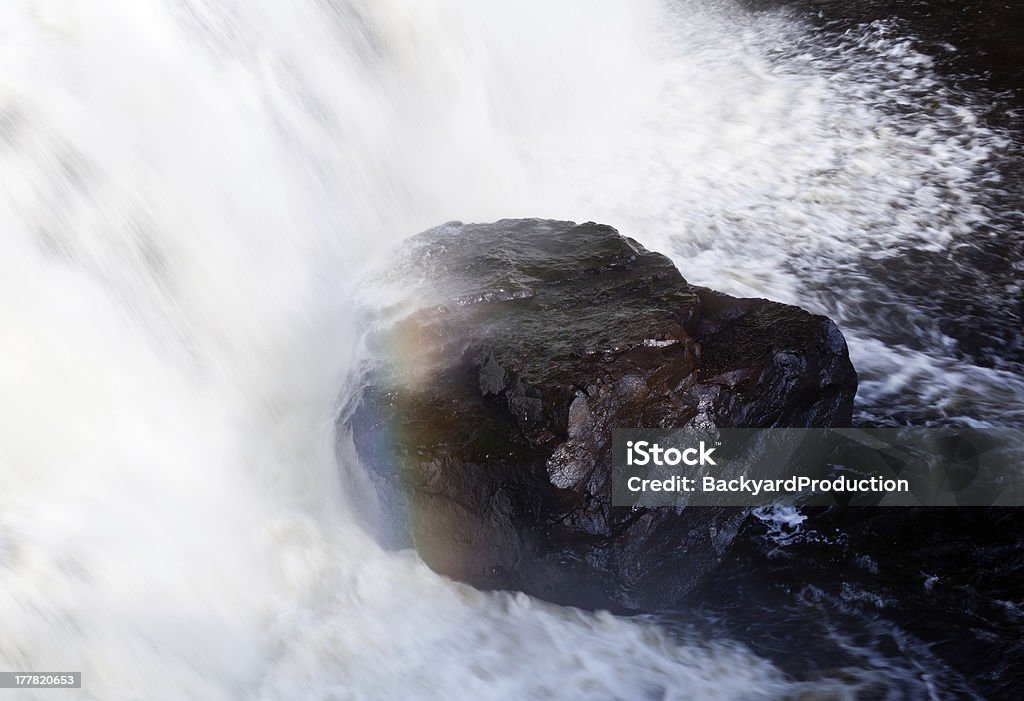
{"x": 190, "y": 189}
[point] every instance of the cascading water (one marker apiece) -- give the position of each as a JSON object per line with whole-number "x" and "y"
{"x": 189, "y": 191}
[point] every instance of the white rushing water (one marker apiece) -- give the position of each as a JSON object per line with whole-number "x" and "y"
{"x": 188, "y": 190}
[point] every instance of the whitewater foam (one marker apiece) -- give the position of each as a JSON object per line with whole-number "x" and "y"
{"x": 189, "y": 191}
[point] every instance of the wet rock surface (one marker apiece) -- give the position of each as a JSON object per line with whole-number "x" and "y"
{"x": 485, "y": 424}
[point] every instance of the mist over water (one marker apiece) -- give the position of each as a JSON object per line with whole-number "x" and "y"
{"x": 190, "y": 190}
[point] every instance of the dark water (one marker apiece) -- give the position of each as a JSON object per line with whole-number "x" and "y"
{"x": 970, "y": 293}
{"x": 908, "y": 603}
{"x": 976, "y": 42}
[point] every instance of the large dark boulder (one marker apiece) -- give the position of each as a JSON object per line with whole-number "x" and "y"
{"x": 485, "y": 421}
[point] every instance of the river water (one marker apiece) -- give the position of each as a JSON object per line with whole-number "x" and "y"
{"x": 190, "y": 189}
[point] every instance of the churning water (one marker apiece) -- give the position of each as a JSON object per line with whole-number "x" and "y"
{"x": 189, "y": 189}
